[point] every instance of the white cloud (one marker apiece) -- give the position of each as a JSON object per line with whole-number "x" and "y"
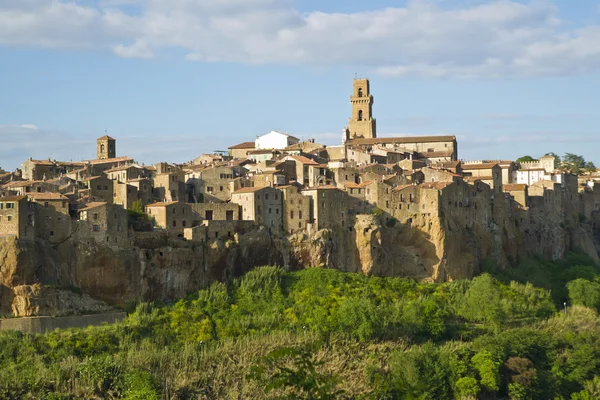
{"x": 501, "y": 38}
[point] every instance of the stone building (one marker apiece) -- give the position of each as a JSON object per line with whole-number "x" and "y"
{"x": 329, "y": 207}
{"x": 361, "y": 124}
{"x": 126, "y": 173}
{"x": 215, "y": 212}
{"x": 169, "y": 186}
{"x": 144, "y": 189}
{"x": 241, "y": 150}
{"x": 53, "y": 221}
{"x": 171, "y": 216}
{"x": 262, "y": 205}
{"x": 489, "y": 173}
{"x": 106, "y": 147}
{"x": 101, "y": 188}
{"x": 431, "y": 149}
{"x": 296, "y": 209}
{"x": 16, "y": 217}
{"x": 104, "y": 223}
{"x": 124, "y": 194}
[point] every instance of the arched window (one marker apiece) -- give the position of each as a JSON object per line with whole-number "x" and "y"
{"x": 101, "y": 148}
{"x": 360, "y": 92}
{"x": 360, "y": 115}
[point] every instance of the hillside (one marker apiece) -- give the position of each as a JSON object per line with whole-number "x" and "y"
{"x": 321, "y": 333}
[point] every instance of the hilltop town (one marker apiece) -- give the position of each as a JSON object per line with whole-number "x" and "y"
{"x": 382, "y": 205}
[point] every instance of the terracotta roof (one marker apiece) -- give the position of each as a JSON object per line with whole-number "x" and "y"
{"x": 109, "y": 160}
{"x": 468, "y": 167}
{"x": 165, "y": 204}
{"x": 46, "y": 196}
{"x": 244, "y": 145}
{"x": 92, "y": 205}
{"x": 263, "y": 151}
{"x": 414, "y": 139}
{"x": 248, "y": 190}
{"x": 106, "y": 137}
{"x": 12, "y": 198}
{"x": 357, "y": 185}
{"x": 433, "y": 154}
{"x": 19, "y": 183}
{"x": 120, "y": 168}
{"x": 304, "y": 160}
{"x": 324, "y": 187}
{"x": 514, "y": 187}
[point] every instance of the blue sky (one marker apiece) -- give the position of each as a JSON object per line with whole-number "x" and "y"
{"x": 171, "y": 79}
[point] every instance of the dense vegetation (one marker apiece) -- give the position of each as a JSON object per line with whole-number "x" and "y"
{"x": 323, "y": 334}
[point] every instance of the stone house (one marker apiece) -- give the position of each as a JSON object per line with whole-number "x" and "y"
{"x": 144, "y": 189}
{"x": 104, "y": 223}
{"x": 101, "y": 188}
{"x": 329, "y": 207}
{"x": 241, "y": 150}
{"x": 215, "y": 212}
{"x": 126, "y": 173}
{"x": 306, "y": 146}
{"x": 210, "y": 159}
{"x": 303, "y": 164}
{"x": 21, "y": 188}
{"x": 296, "y": 209}
{"x": 47, "y": 169}
{"x": 270, "y": 178}
{"x": 213, "y": 184}
{"x": 124, "y": 194}
{"x": 99, "y": 166}
{"x": 53, "y": 221}
{"x": 431, "y": 148}
{"x": 519, "y": 192}
{"x": 171, "y": 216}
{"x": 17, "y": 217}
{"x": 489, "y": 173}
{"x": 262, "y": 205}
{"x": 169, "y": 186}
{"x": 431, "y": 174}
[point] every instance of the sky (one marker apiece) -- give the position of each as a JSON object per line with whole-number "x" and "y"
{"x": 172, "y": 79}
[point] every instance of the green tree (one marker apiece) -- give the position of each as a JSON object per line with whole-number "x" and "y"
{"x": 585, "y": 293}
{"x": 526, "y": 159}
{"x": 467, "y": 388}
{"x": 488, "y": 370}
{"x": 483, "y": 302}
{"x": 296, "y": 371}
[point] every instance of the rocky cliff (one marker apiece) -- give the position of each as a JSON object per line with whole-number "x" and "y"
{"x": 37, "y": 278}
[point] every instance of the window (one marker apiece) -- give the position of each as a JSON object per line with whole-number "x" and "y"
{"x": 276, "y": 196}
{"x": 9, "y": 218}
{"x": 10, "y": 205}
{"x": 51, "y": 233}
{"x": 174, "y": 211}
{"x": 229, "y": 215}
{"x": 430, "y": 150}
{"x": 220, "y": 188}
{"x": 47, "y": 218}
{"x": 45, "y": 204}
{"x": 360, "y": 115}
{"x": 208, "y": 215}
{"x": 277, "y": 211}
{"x": 95, "y": 217}
{"x": 258, "y": 210}
{"x": 300, "y": 225}
{"x": 174, "y": 224}
{"x": 360, "y": 92}
{"x": 269, "y": 211}
{"x": 323, "y": 205}
{"x": 266, "y": 196}
{"x": 105, "y": 187}
{"x": 209, "y": 189}
{"x": 292, "y": 214}
{"x": 96, "y": 228}
{"x": 183, "y": 224}
{"x": 300, "y": 214}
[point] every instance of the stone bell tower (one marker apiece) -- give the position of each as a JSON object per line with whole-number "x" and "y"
{"x": 106, "y": 147}
{"x": 361, "y": 124}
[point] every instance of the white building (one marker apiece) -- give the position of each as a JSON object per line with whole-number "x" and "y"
{"x": 275, "y": 140}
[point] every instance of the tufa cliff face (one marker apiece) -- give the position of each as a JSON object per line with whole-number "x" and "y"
{"x": 446, "y": 243}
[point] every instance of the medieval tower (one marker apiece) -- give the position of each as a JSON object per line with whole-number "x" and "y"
{"x": 361, "y": 124}
{"x": 107, "y": 147}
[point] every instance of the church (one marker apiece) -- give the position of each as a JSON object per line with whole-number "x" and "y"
{"x": 361, "y": 133}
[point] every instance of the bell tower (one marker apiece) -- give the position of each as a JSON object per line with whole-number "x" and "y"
{"x": 361, "y": 124}
{"x": 106, "y": 147}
